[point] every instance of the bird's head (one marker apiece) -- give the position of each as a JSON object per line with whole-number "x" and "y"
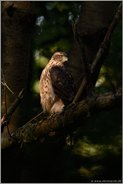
{"x": 60, "y": 56}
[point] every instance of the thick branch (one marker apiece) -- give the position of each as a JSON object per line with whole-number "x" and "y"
{"x": 97, "y": 62}
{"x": 40, "y": 129}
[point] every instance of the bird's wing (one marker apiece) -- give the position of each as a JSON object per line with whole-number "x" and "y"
{"x": 62, "y": 83}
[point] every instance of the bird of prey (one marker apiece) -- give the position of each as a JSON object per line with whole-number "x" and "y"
{"x": 56, "y": 84}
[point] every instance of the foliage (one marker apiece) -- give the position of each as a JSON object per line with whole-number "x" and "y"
{"x": 54, "y": 29}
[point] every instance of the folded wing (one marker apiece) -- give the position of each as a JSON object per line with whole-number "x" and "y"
{"x": 62, "y": 83}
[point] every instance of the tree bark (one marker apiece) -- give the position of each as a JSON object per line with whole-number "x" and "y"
{"x": 89, "y": 31}
{"x": 17, "y": 27}
{"x": 39, "y": 128}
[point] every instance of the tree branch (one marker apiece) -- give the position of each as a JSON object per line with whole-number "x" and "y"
{"x": 6, "y": 117}
{"x": 33, "y": 131}
{"x": 97, "y": 63}
{"x": 106, "y": 40}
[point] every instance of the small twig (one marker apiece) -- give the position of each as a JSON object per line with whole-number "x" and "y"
{"x": 99, "y": 54}
{"x": 4, "y": 84}
{"x": 4, "y": 93}
{"x": 6, "y": 117}
{"x": 5, "y": 120}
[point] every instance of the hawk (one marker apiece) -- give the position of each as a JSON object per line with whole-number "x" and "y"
{"x": 56, "y": 84}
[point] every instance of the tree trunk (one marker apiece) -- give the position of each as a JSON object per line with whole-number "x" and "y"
{"x": 89, "y": 31}
{"x": 17, "y": 27}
